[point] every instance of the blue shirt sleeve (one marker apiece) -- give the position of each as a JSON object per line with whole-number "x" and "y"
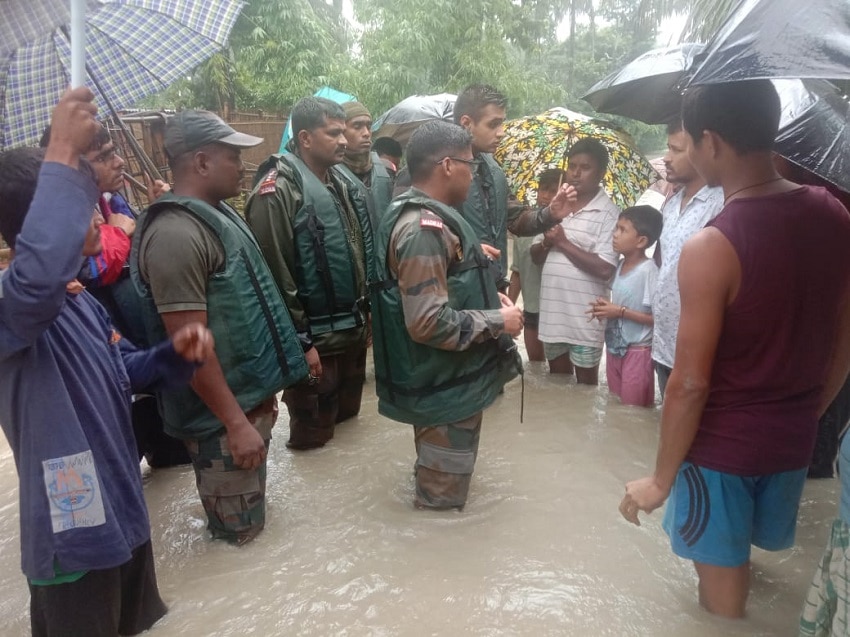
{"x": 159, "y": 368}
{"x": 48, "y": 254}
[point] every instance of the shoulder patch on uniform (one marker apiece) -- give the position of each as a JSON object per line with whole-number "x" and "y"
{"x": 267, "y": 186}
{"x": 431, "y": 222}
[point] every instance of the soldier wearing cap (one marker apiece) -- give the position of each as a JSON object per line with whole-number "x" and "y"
{"x": 315, "y": 234}
{"x": 194, "y": 259}
{"x": 361, "y": 166}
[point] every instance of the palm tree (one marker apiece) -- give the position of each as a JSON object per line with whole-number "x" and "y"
{"x": 705, "y": 18}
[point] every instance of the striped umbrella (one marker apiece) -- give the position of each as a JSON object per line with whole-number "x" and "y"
{"x": 134, "y": 48}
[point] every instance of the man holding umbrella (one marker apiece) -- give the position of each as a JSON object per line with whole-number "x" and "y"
{"x": 742, "y": 405}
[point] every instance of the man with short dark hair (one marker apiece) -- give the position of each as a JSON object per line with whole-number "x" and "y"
{"x": 685, "y": 213}
{"x": 763, "y": 347}
{"x": 490, "y": 208}
{"x": 361, "y": 167}
{"x": 390, "y": 152}
{"x": 315, "y": 233}
{"x": 85, "y": 534}
{"x": 579, "y": 262}
{"x": 443, "y": 347}
{"x": 195, "y": 260}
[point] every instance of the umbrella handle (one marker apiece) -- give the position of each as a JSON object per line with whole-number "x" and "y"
{"x": 78, "y": 43}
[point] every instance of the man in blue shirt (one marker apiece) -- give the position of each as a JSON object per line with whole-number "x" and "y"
{"x": 66, "y": 377}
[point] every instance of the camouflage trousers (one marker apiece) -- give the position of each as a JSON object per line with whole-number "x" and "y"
{"x": 314, "y": 410}
{"x": 234, "y": 499}
{"x": 445, "y": 459}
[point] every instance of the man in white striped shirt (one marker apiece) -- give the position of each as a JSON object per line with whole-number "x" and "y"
{"x": 578, "y": 263}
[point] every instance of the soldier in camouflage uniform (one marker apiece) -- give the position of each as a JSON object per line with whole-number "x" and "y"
{"x": 489, "y": 207}
{"x": 443, "y": 346}
{"x": 194, "y": 260}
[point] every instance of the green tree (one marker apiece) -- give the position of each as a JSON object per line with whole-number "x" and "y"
{"x": 705, "y": 18}
{"x": 409, "y": 46}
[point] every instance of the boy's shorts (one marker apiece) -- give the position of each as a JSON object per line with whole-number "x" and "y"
{"x": 580, "y": 355}
{"x": 714, "y": 517}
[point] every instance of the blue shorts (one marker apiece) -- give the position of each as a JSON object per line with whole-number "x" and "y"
{"x": 714, "y": 517}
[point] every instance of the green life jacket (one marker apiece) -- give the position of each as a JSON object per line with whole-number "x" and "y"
{"x": 489, "y": 222}
{"x": 255, "y": 340}
{"x": 378, "y": 194}
{"x": 422, "y": 385}
{"x": 332, "y": 294}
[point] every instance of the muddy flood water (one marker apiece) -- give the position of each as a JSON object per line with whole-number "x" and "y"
{"x": 539, "y": 550}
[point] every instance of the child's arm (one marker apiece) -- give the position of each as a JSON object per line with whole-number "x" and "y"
{"x": 604, "y": 309}
{"x": 515, "y": 286}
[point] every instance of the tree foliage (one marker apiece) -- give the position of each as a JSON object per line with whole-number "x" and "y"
{"x": 281, "y": 50}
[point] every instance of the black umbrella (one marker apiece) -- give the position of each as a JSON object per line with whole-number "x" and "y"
{"x": 815, "y": 129}
{"x": 646, "y": 88}
{"x": 405, "y": 117}
{"x": 779, "y": 39}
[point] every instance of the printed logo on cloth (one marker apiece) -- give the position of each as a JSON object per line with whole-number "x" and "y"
{"x": 268, "y": 183}
{"x": 74, "y": 492}
{"x": 430, "y": 222}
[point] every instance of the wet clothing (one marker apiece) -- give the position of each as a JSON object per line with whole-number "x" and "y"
{"x": 441, "y": 355}
{"x": 234, "y": 499}
{"x": 762, "y": 410}
{"x": 317, "y": 240}
{"x": 566, "y": 291}
{"x": 529, "y": 276}
{"x": 580, "y": 355}
{"x": 630, "y": 376}
{"x": 633, "y": 290}
{"x": 81, "y": 501}
{"x": 679, "y": 226}
{"x": 128, "y": 601}
{"x": 445, "y": 459}
{"x": 375, "y": 186}
{"x": 110, "y": 265}
{"x": 826, "y": 612}
{"x": 714, "y": 517}
{"x": 315, "y": 410}
{"x": 492, "y": 210}
{"x": 440, "y": 351}
{"x": 318, "y": 243}
{"x": 190, "y": 256}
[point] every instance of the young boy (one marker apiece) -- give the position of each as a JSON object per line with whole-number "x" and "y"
{"x": 628, "y": 334}
{"x": 525, "y": 274}
{"x": 66, "y": 378}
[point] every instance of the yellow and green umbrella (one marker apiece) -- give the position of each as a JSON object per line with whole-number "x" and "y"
{"x": 540, "y": 142}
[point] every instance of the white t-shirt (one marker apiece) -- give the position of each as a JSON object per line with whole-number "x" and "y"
{"x": 678, "y": 228}
{"x": 566, "y": 291}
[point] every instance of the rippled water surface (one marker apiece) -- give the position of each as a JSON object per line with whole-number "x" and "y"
{"x": 540, "y": 549}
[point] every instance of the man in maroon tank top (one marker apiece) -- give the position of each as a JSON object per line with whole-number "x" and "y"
{"x": 763, "y": 347}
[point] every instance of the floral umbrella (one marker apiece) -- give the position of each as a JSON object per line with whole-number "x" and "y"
{"x": 540, "y": 142}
